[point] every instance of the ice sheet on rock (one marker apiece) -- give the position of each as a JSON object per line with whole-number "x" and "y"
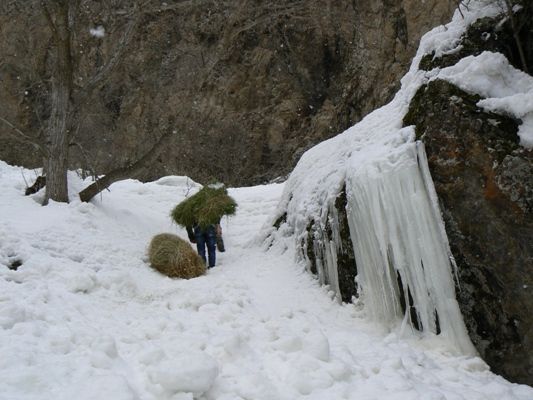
{"x": 394, "y": 221}
{"x": 398, "y": 238}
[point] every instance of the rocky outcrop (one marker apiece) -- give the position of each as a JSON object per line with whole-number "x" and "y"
{"x": 484, "y": 182}
{"x": 248, "y": 86}
{"x": 346, "y": 264}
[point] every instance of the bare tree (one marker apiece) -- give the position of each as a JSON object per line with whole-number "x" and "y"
{"x": 127, "y": 171}
{"x": 67, "y": 95}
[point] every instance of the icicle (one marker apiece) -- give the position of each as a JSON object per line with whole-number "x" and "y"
{"x": 428, "y": 182}
{"x": 332, "y": 246}
{"x": 325, "y": 250}
{"x": 397, "y": 230}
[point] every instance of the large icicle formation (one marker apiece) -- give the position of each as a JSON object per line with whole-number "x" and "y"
{"x": 400, "y": 245}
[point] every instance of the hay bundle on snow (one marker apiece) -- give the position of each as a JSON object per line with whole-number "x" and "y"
{"x": 174, "y": 257}
{"x": 204, "y": 208}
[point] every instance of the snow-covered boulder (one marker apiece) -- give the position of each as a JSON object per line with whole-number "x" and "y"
{"x": 375, "y": 179}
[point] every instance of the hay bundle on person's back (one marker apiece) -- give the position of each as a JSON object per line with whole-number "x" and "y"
{"x": 174, "y": 257}
{"x": 204, "y": 208}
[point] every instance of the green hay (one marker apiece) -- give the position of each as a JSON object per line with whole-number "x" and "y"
{"x": 205, "y": 208}
{"x": 174, "y": 257}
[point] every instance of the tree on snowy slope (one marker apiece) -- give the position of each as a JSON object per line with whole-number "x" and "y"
{"x": 68, "y": 89}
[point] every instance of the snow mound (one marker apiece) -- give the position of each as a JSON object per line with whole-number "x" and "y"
{"x": 186, "y": 373}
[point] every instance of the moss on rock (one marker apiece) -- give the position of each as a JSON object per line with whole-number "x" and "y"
{"x": 452, "y": 107}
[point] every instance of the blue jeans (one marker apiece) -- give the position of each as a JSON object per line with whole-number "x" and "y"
{"x": 206, "y": 237}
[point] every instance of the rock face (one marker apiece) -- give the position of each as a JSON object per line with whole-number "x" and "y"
{"x": 495, "y": 35}
{"x": 247, "y": 85}
{"x": 484, "y": 181}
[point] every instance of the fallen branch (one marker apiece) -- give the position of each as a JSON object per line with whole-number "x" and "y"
{"x": 40, "y": 182}
{"x": 130, "y": 171}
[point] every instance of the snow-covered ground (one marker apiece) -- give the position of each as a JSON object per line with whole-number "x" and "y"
{"x": 85, "y": 317}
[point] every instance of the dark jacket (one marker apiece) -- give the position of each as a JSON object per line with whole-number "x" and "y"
{"x": 190, "y": 233}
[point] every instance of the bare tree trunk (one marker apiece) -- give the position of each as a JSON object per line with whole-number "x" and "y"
{"x": 130, "y": 171}
{"x": 67, "y": 101}
{"x": 57, "y": 129}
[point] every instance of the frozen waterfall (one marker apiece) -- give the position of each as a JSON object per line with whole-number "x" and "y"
{"x": 404, "y": 266}
{"x": 403, "y": 270}
{"x": 401, "y": 247}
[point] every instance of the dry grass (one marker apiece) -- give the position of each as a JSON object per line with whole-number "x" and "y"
{"x": 174, "y": 257}
{"x": 205, "y": 208}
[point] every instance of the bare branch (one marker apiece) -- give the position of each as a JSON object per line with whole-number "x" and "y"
{"x": 129, "y": 171}
{"x": 177, "y": 6}
{"x": 140, "y": 9}
{"x": 115, "y": 59}
{"x": 16, "y": 132}
{"x": 23, "y": 177}
{"x": 85, "y": 156}
{"x": 50, "y": 21}
{"x": 516, "y": 34}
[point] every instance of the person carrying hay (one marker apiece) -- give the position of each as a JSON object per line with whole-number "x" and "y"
{"x": 205, "y": 237}
{"x": 200, "y": 215}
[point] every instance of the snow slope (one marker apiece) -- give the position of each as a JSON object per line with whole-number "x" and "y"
{"x": 84, "y": 317}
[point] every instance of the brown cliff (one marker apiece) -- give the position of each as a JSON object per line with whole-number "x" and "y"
{"x": 247, "y": 85}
